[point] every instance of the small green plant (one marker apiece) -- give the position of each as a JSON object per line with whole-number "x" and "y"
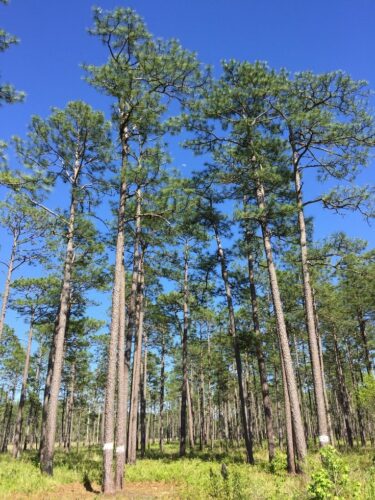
{"x": 226, "y": 485}
{"x": 332, "y": 480}
{"x": 279, "y": 463}
{"x": 366, "y": 393}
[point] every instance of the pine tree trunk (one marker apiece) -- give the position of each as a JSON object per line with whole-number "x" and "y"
{"x": 6, "y": 422}
{"x": 161, "y": 394}
{"x": 28, "y": 425}
{"x": 291, "y": 462}
{"x": 237, "y": 353}
{"x": 122, "y": 394}
{"x": 70, "y": 407}
{"x": 267, "y": 406}
{"x": 49, "y": 431}
{"x": 109, "y": 404}
{"x": 308, "y": 432}
{"x": 330, "y": 430}
{"x": 184, "y": 389}
{"x": 8, "y": 280}
{"x": 133, "y": 416}
{"x": 46, "y": 395}
{"x": 363, "y": 332}
{"x": 143, "y": 394}
{"x": 130, "y": 320}
{"x": 202, "y": 433}
{"x": 210, "y": 410}
{"x": 191, "y": 416}
{"x": 360, "y": 415}
{"x": 343, "y": 394}
{"x": 310, "y": 318}
{"x": 18, "y": 429}
{"x": 35, "y": 415}
{"x": 300, "y": 441}
{"x": 278, "y": 408}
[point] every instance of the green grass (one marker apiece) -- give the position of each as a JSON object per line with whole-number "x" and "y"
{"x": 198, "y": 476}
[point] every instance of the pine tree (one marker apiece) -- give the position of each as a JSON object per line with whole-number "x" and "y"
{"x": 141, "y": 75}
{"x": 72, "y": 146}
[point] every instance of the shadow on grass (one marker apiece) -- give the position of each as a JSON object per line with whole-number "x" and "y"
{"x": 86, "y": 462}
{"x": 88, "y": 486}
{"x": 206, "y": 455}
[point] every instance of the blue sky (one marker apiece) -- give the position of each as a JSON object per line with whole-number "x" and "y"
{"x": 317, "y": 35}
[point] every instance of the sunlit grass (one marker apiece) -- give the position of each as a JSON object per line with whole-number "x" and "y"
{"x": 196, "y": 476}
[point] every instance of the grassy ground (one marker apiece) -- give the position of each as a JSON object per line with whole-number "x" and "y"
{"x": 198, "y": 476}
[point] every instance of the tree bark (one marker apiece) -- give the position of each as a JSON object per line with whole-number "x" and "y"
{"x": 184, "y": 388}
{"x": 143, "y": 394}
{"x": 122, "y": 394}
{"x": 343, "y": 394}
{"x": 130, "y": 319}
{"x": 237, "y": 353}
{"x": 321, "y": 410}
{"x": 297, "y": 422}
{"x": 48, "y": 441}
{"x": 360, "y": 416}
{"x": 133, "y": 416}
{"x": 191, "y": 416}
{"x": 21, "y": 404}
{"x": 291, "y": 461}
{"x": 161, "y": 394}
{"x": 8, "y": 280}
{"x": 202, "y": 433}
{"x": 109, "y": 404}
{"x": 267, "y": 406}
{"x": 363, "y": 332}
{"x": 69, "y": 408}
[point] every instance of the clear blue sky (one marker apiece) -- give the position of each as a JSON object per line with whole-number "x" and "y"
{"x": 320, "y": 35}
{"x": 296, "y": 34}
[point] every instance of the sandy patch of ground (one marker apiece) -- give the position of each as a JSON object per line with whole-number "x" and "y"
{"x": 76, "y": 491}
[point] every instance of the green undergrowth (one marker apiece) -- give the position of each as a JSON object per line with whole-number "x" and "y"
{"x": 208, "y": 474}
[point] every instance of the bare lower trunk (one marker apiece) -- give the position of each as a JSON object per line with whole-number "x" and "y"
{"x": 300, "y": 441}
{"x": 184, "y": 389}
{"x": 191, "y": 416}
{"x": 48, "y": 444}
{"x": 130, "y": 320}
{"x": 291, "y": 462}
{"x": 237, "y": 353}
{"x": 122, "y": 393}
{"x": 343, "y": 393}
{"x": 7, "y": 421}
{"x": 278, "y": 408}
{"x": 133, "y": 416}
{"x": 330, "y": 430}
{"x": 69, "y": 409}
{"x": 161, "y": 395}
{"x": 143, "y": 392}
{"x": 267, "y": 406}
{"x": 47, "y": 389}
{"x": 321, "y": 410}
{"x": 18, "y": 429}
{"x": 202, "y": 430}
{"x": 109, "y": 404}
{"x": 360, "y": 416}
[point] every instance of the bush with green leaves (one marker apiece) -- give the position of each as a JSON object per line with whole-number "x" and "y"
{"x": 278, "y": 465}
{"x": 366, "y": 393}
{"x": 226, "y": 485}
{"x": 332, "y": 480}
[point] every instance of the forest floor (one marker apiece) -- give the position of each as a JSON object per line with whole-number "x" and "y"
{"x": 198, "y": 476}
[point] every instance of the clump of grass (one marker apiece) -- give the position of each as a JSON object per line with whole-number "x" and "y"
{"x": 24, "y": 476}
